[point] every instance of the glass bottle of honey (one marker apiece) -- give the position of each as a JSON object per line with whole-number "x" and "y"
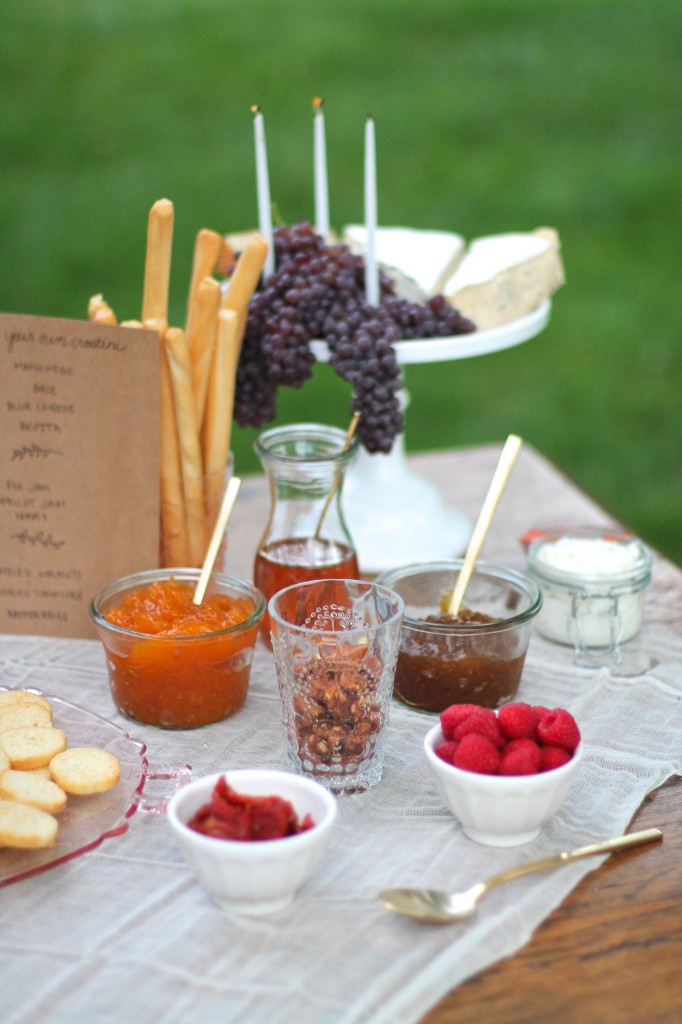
{"x": 306, "y": 536}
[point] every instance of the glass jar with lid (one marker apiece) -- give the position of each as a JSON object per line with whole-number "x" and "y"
{"x": 593, "y": 581}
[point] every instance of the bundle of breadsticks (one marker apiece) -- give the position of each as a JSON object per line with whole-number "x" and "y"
{"x": 198, "y": 367}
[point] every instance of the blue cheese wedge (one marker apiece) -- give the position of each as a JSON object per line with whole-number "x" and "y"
{"x": 504, "y": 277}
{"x": 419, "y": 262}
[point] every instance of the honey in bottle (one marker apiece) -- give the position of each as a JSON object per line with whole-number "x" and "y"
{"x": 306, "y": 536}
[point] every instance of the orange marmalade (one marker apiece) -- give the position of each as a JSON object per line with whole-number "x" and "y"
{"x": 188, "y": 665}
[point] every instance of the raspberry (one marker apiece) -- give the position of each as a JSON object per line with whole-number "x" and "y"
{"x": 475, "y": 753}
{"x": 553, "y": 757}
{"x": 520, "y": 757}
{"x": 522, "y": 743}
{"x": 446, "y": 751}
{"x": 517, "y": 720}
{"x": 452, "y": 716}
{"x": 483, "y": 722}
{"x": 558, "y": 728}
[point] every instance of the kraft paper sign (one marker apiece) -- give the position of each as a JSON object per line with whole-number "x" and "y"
{"x": 79, "y": 467}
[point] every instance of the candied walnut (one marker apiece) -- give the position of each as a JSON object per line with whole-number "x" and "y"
{"x": 321, "y": 748}
{"x": 336, "y": 713}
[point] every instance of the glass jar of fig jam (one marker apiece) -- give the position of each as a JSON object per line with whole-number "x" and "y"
{"x": 306, "y": 536}
{"x": 475, "y": 658}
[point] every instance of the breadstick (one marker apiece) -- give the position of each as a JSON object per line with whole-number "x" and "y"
{"x": 203, "y": 321}
{"x": 219, "y": 407}
{"x": 180, "y": 364}
{"x": 174, "y": 545}
{"x": 174, "y": 541}
{"x": 158, "y": 262}
{"x": 99, "y": 310}
{"x": 244, "y": 280}
{"x": 131, "y": 323}
{"x": 95, "y": 303}
{"x": 226, "y": 259}
{"x": 105, "y": 315}
{"x": 207, "y": 248}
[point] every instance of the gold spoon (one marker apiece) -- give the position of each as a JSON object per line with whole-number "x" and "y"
{"x": 224, "y": 514}
{"x": 438, "y": 907}
{"x": 337, "y": 479}
{"x": 498, "y": 483}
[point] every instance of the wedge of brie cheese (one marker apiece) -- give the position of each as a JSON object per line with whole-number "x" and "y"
{"x": 504, "y": 277}
{"x": 419, "y": 262}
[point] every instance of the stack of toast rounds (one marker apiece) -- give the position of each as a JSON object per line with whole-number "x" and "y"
{"x": 39, "y": 771}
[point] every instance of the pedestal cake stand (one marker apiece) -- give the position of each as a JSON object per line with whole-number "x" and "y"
{"x": 395, "y": 517}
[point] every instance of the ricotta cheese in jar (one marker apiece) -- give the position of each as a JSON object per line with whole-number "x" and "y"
{"x": 593, "y": 582}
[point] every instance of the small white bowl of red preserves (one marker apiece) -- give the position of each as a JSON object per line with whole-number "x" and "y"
{"x": 253, "y": 837}
{"x": 504, "y": 773}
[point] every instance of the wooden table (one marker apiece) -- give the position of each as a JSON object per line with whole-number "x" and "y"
{"x": 611, "y": 953}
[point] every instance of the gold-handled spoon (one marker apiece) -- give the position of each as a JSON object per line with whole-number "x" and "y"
{"x": 502, "y": 472}
{"x": 337, "y": 479}
{"x": 438, "y": 907}
{"x": 224, "y": 514}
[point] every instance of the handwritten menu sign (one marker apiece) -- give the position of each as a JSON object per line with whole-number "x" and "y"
{"x": 79, "y": 467}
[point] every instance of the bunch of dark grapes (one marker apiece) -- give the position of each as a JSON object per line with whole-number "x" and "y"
{"x": 255, "y": 394}
{"x": 318, "y": 291}
{"x": 360, "y": 340}
{"x": 435, "y": 319}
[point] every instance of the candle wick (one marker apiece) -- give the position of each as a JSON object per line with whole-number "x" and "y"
{"x": 318, "y": 102}
{"x": 255, "y": 109}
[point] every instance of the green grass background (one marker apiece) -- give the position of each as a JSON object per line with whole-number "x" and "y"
{"x": 491, "y": 115}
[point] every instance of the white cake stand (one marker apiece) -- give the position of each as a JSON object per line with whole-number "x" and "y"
{"x": 396, "y": 517}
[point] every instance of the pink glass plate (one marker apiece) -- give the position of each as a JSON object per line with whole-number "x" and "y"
{"x": 87, "y": 821}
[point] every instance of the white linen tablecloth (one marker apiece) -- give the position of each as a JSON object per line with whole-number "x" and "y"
{"x": 125, "y": 933}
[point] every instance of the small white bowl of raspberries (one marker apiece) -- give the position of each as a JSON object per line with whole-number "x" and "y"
{"x": 504, "y": 773}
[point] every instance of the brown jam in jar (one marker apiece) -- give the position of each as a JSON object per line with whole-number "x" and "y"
{"x": 463, "y": 618}
{"x": 466, "y": 666}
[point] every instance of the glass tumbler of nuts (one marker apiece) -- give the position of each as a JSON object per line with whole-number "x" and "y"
{"x": 335, "y": 644}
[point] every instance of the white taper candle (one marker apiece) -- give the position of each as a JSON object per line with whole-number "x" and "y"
{"x": 263, "y": 187}
{"x": 321, "y": 181}
{"x": 371, "y": 269}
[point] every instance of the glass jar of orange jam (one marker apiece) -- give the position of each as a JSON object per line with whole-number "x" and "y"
{"x": 172, "y": 663}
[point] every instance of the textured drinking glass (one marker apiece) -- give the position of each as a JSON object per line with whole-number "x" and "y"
{"x": 335, "y": 644}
